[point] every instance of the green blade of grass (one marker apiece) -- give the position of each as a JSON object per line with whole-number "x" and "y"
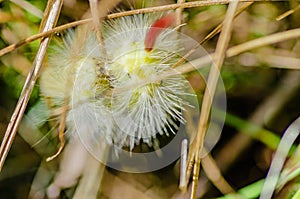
{"x": 255, "y": 131}
{"x": 269, "y": 138}
{"x": 248, "y": 192}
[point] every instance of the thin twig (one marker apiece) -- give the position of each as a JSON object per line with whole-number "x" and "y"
{"x": 29, "y": 84}
{"x": 213, "y": 33}
{"x": 96, "y": 21}
{"x": 61, "y": 131}
{"x": 210, "y": 90}
{"x": 238, "y": 49}
{"x": 277, "y": 61}
{"x": 29, "y": 7}
{"x": 287, "y": 13}
{"x": 111, "y": 16}
{"x": 205, "y": 60}
{"x": 270, "y": 39}
{"x": 236, "y": 146}
{"x": 183, "y": 165}
{"x": 214, "y": 174}
{"x": 46, "y": 16}
{"x": 178, "y": 14}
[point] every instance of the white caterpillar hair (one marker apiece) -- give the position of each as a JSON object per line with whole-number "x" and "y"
{"x": 87, "y": 74}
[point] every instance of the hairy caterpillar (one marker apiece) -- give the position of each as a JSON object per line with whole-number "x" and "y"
{"x": 112, "y": 94}
{"x": 136, "y": 48}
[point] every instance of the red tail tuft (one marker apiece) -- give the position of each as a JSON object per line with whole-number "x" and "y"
{"x": 156, "y": 28}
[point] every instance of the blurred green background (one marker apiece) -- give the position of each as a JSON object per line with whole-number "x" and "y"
{"x": 261, "y": 90}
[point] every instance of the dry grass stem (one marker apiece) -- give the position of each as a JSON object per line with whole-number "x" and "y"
{"x": 278, "y": 61}
{"x": 214, "y": 174}
{"x": 213, "y": 33}
{"x": 28, "y": 86}
{"x": 270, "y": 39}
{"x": 218, "y": 29}
{"x": 238, "y": 49}
{"x": 277, "y": 101}
{"x": 183, "y": 165}
{"x": 61, "y": 131}
{"x": 46, "y": 16}
{"x": 233, "y": 51}
{"x": 111, "y": 16}
{"x": 210, "y": 90}
{"x": 246, "y": 54}
{"x": 205, "y": 60}
{"x": 96, "y": 20}
{"x": 29, "y": 7}
{"x": 178, "y": 14}
{"x": 287, "y": 13}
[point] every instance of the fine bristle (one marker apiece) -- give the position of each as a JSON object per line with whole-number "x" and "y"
{"x": 86, "y": 76}
{"x": 156, "y": 28}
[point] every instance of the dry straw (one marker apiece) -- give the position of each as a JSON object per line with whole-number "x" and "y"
{"x": 222, "y": 51}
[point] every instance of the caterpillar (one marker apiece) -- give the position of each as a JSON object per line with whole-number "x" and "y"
{"x": 136, "y": 48}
